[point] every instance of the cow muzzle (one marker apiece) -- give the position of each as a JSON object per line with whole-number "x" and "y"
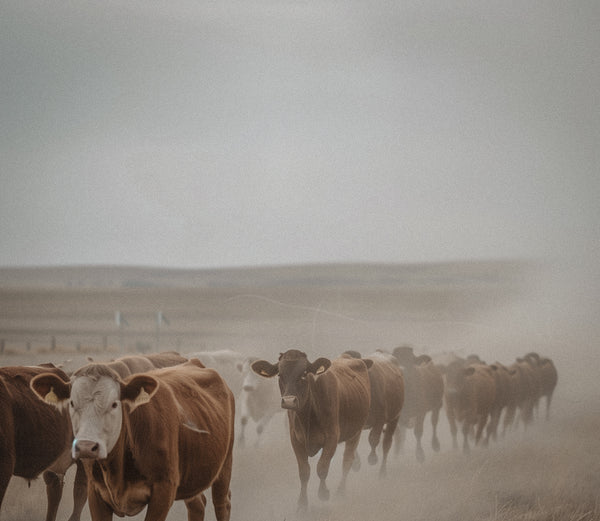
{"x": 290, "y": 402}
{"x": 86, "y": 449}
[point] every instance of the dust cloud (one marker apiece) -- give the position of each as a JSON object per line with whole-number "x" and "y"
{"x": 549, "y": 470}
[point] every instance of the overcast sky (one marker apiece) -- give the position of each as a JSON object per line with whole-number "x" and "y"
{"x": 203, "y": 134}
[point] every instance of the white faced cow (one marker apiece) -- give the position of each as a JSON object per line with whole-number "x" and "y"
{"x": 150, "y": 439}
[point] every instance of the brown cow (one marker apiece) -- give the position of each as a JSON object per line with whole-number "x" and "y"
{"x": 151, "y": 439}
{"x": 527, "y": 390}
{"x": 423, "y": 392}
{"x": 547, "y": 376}
{"x": 505, "y": 398}
{"x": 474, "y": 390}
{"x": 327, "y": 403}
{"x": 36, "y": 438}
{"x": 387, "y": 399}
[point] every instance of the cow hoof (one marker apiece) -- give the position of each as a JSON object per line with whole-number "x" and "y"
{"x": 435, "y": 444}
{"x": 324, "y": 494}
{"x": 302, "y": 504}
{"x": 356, "y": 463}
{"x": 420, "y": 455}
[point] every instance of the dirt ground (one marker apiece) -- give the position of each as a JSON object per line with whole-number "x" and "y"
{"x": 552, "y": 471}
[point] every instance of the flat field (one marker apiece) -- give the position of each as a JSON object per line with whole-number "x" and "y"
{"x": 551, "y": 471}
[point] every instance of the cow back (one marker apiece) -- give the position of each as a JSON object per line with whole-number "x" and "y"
{"x": 353, "y": 394}
{"x": 387, "y": 388}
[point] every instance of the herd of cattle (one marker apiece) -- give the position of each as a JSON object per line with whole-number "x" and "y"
{"x": 147, "y": 430}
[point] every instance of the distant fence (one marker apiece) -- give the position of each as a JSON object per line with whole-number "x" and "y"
{"x": 121, "y": 338}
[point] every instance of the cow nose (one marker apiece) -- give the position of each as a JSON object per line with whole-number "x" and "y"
{"x": 85, "y": 449}
{"x": 289, "y": 402}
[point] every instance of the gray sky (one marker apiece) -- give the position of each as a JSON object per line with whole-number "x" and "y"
{"x": 196, "y": 134}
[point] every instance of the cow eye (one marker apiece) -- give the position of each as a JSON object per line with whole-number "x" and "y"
{"x": 72, "y": 404}
{"x": 114, "y": 405}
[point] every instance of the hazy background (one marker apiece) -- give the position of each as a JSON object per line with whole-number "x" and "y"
{"x": 203, "y": 134}
{"x": 227, "y": 134}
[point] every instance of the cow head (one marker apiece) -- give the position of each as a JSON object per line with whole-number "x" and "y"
{"x": 95, "y": 397}
{"x": 295, "y": 376}
{"x": 250, "y": 378}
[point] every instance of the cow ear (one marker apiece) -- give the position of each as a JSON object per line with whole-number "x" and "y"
{"x": 138, "y": 390}
{"x": 51, "y": 389}
{"x": 264, "y": 368}
{"x": 368, "y": 362}
{"x": 320, "y": 365}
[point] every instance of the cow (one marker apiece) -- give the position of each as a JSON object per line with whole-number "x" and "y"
{"x": 527, "y": 384}
{"x": 423, "y": 392}
{"x": 473, "y": 389}
{"x": 35, "y": 438}
{"x": 504, "y": 398}
{"x": 547, "y": 376}
{"x": 227, "y": 363}
{"x": 327, "y": 403}
{"x": 151, "y": 439}
{"x": 258, "y": 401}
{"x": 387, "y": 398}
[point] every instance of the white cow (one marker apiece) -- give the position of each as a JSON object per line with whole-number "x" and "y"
{"x": 226, "y": 362}
{"x": 259, "y": 399}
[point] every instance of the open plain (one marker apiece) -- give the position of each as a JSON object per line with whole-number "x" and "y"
{"x": 499, "y": 310}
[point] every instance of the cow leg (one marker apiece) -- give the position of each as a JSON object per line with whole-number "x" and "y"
{"x": 260, "y": 427}
{"x": 196, "y": 507}
{"x": 480, "y": 426}
{"x": 388, "y": 436}
{"x": 349, "y": 452}
{"x": 243, "y": 423}
{"x": 54, "y": 487}
{"x": 465, "y": 430}
{"x": 374, "y": 438}
{"x": 7, "y": 465}
{"x": 492, "y": 429}
{"x": 99, "y": 510}
{"x": 399, "y": 438}
{"x": 509, "y": 418}
{"x": 303, "y": 469}
{"x": 435, "y": 442}
{"x": 419, "y": 420}
{"x": 452, "y": 423}
{"x": 221, "y": 493}
{"x": 162, "y": 497}
{"x": 323, "y": 465}
{"x": 79, "y": 492}
{"x": 548, "y": 402}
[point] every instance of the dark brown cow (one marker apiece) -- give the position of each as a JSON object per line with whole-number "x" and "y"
{"x": 474, "y": 391}
{"x": 36, "y": 438}
{"x": 423, "y": 392}
{"x": 527, "y": 390}
{"x": 151, "y": 439}
{"x": 547, "y": 376}
{"x": 450, "y": 372}
{"x": 505, "y": 399}
{"x": 327, "y": 403}
{"x": 387, "y": 399}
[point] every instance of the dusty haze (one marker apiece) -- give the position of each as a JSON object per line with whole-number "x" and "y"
{"x": 498, "y": 310}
